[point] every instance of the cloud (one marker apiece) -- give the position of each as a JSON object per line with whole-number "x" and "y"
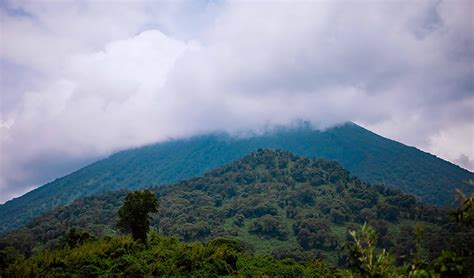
{"x": 101, "y": 77}
{"x": 465, "y": 160}
{"x": 103, "y": 101}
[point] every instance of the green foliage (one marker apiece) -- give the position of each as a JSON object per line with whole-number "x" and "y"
{"x": 364, "y": 153}
{"x": 270, "y": 226}
{"x": 280, "y": 204}
{"x": 165, "y": 256}
{"x": 314, "y": 233}
{"x": 7, "y": 257}
{"x": 74, "y": 238}
{"x": 367, "y": 261}
{"x": 81, "y": 255}
{"x": 134, "y": 213}
{"x": 364, "y": 258}
{"x": 465, "y": 213}
{"x": 448, "y": 264}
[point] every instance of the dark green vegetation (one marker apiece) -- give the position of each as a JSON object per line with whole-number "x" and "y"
{"x": 166, "y": 256}
{"x": 365, "y": 154}
{"x": 465, "y": 212}
{"x": 278, "y": 204}
{"x": 134, "y": 214}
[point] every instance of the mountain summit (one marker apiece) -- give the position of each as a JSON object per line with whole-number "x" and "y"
{"x": 364, "y": 153}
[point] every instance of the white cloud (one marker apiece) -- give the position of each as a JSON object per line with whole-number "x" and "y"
{"x": 122, "y": 75}
{"x": 455, "y": 143}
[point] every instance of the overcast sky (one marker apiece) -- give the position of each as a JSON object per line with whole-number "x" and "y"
{"x": 82, "y": 79}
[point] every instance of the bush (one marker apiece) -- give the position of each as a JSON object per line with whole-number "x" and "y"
{"x": 270, "y": 226}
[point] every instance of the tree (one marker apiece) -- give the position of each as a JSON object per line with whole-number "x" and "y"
{"x": 364, "y": 258}
{"x": 133, "y": 215}
{"x": 465, "y": 213}
{"x": 75, "y": 238}
{"x": 312, "y": 233}
{"x": 388, "y": 212}
{"x": 269, "y": 225}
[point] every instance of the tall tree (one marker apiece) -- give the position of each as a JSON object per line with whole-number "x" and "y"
{"x": 134, "y": 214}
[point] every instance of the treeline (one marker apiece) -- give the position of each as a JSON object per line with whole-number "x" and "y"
{"x": 83, "y": 256}
{"x": 276, "y": 204}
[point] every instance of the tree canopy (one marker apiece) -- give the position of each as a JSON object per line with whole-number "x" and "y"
{"x": 281, "y": 204}
{"x": 134, "y": 214}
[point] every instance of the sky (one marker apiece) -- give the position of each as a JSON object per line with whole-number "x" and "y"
{"x": 82, "y": 79}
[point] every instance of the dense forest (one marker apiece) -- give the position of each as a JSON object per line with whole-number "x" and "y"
{"x": 167, "y": 256}
{"x": 281, "y": 207}
{"x": 367, "y": 155}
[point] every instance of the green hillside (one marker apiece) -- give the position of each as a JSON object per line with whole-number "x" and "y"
{"x": 362, "y": 152}
{"x": 277, "y": 203}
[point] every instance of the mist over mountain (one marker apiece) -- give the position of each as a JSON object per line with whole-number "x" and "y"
{"x": 85, "y": 79}
{"x": 363, "y": 153}
{"x": 279, "y": 138}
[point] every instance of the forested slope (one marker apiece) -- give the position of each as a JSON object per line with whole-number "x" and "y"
{"x": 362, "y": 152}
{"x": 280, "y": 204}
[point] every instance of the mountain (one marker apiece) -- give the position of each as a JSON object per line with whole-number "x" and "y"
{"x": 275, "y": 202}
{"x": 365, "y": 154}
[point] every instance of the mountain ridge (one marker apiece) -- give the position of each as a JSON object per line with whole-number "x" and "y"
{"x": 281, "y": 204}
{"x": 366, "y": 154}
